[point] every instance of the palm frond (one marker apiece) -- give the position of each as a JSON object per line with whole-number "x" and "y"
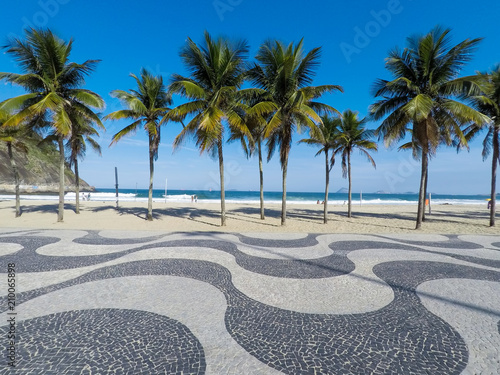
{"x": 129, "y": 129}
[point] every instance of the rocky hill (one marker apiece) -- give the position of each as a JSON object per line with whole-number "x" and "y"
{"x": 38, "y": 170}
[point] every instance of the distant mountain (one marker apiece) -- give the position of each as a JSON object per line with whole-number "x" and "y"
{"x": 342, "y": 191}
{"x": 38, "y": 170}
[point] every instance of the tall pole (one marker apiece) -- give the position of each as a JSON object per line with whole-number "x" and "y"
{"x": 360, "y": 197}
{"x": 166, "y": 180}
{"x": 116, "y": 185}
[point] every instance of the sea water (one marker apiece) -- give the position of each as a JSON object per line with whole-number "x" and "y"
{"x": 252, "y": 197}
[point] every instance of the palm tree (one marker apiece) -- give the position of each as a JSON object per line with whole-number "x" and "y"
{"x": 13, "y": 138}
{"x": 422, "y": 97}
{"x": 285, "y": 72}
{"x": 82, "y": 132}
{"x": 146, "y": 106}
{"x": 54, "y": 89}
{"x": 217, "y": 72}
{"x": 327, "y": 139}
{"x": 256, "y": 125}
{"x": 353, "y": 135}
{"x": 489, "y": 104}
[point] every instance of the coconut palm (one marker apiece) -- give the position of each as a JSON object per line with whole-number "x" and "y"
{"x": 13, "y": 138}
{"x": 256, "y": 125}
{"x": 216, "y": 73}
{"x": 82, "y": 133}
{"x": 146, "y": 106}
{"x": 489, "y": 104}
{"x": 353, "y": 135}
{"x": 54, "y": 88}
{"x": 285, "y": 72}
{"x": 423, "y": 97}
{"x": 327, "y": 140}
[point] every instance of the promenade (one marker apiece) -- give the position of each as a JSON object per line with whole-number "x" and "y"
{"x": 138, "y": 302}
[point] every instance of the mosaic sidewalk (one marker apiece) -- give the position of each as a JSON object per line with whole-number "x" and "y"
{"x": 111, "y": 302}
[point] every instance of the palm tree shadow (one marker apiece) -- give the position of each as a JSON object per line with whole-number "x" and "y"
{"x": 306, "y": 215}
{"x": 139, "y": 212}
{"x": 464, "y": 215}
{"x": 47, "y": 208}
{"x": 189, "y": 213}
{"x": 388, "y": 216}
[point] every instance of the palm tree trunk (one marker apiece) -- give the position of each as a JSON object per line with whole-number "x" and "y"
{"x": 222, "y": 192}
{"x": 327, "y": 182}
{"x": 60, "y": 212}
{"x": 425, "y": 191}
{"x": 494, "y": 176}
{"x": 283, "y": 197}
{"x": 261, "y": 174}
{"x": 16, "y": 178}
{"x": 349, "y": 213}
{"x": 421, "y": 194}
{"x": 151, "y": 175}
{"x": 77, "y": 187}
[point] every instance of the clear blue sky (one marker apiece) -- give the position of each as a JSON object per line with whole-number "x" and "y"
{"x": 128, "y": 35}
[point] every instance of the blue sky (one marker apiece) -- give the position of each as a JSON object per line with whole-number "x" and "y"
{"x": 355, "y": 38}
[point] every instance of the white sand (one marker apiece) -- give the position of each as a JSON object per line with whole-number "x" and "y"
{"x": 186, "y": 217}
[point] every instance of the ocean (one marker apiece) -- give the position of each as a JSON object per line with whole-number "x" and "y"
{"x": 250, "y": 197}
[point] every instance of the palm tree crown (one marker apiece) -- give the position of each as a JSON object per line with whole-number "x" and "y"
{"x": 217, "y": 72}
{"x": 146, "y": 106}
{"x": 53, "y": 83}
{"x": 326, "y": 138}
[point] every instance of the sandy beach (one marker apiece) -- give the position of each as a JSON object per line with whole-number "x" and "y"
{"x": 205, "y": 217}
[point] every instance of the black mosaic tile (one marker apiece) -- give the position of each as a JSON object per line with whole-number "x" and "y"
{"x": 453, "y": 242}
{"x": 29, "y": 260}
{"x": 94, "y": 238}
{"x": 329, "y": 266}
{"x": 309, "y": 240}
{"x": 105, "y": 341}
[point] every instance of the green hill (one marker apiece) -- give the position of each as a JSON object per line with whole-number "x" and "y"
{"x": 38, "y": 170}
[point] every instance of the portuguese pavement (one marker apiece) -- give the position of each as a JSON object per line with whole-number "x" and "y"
{"x": 110, "y": 302}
